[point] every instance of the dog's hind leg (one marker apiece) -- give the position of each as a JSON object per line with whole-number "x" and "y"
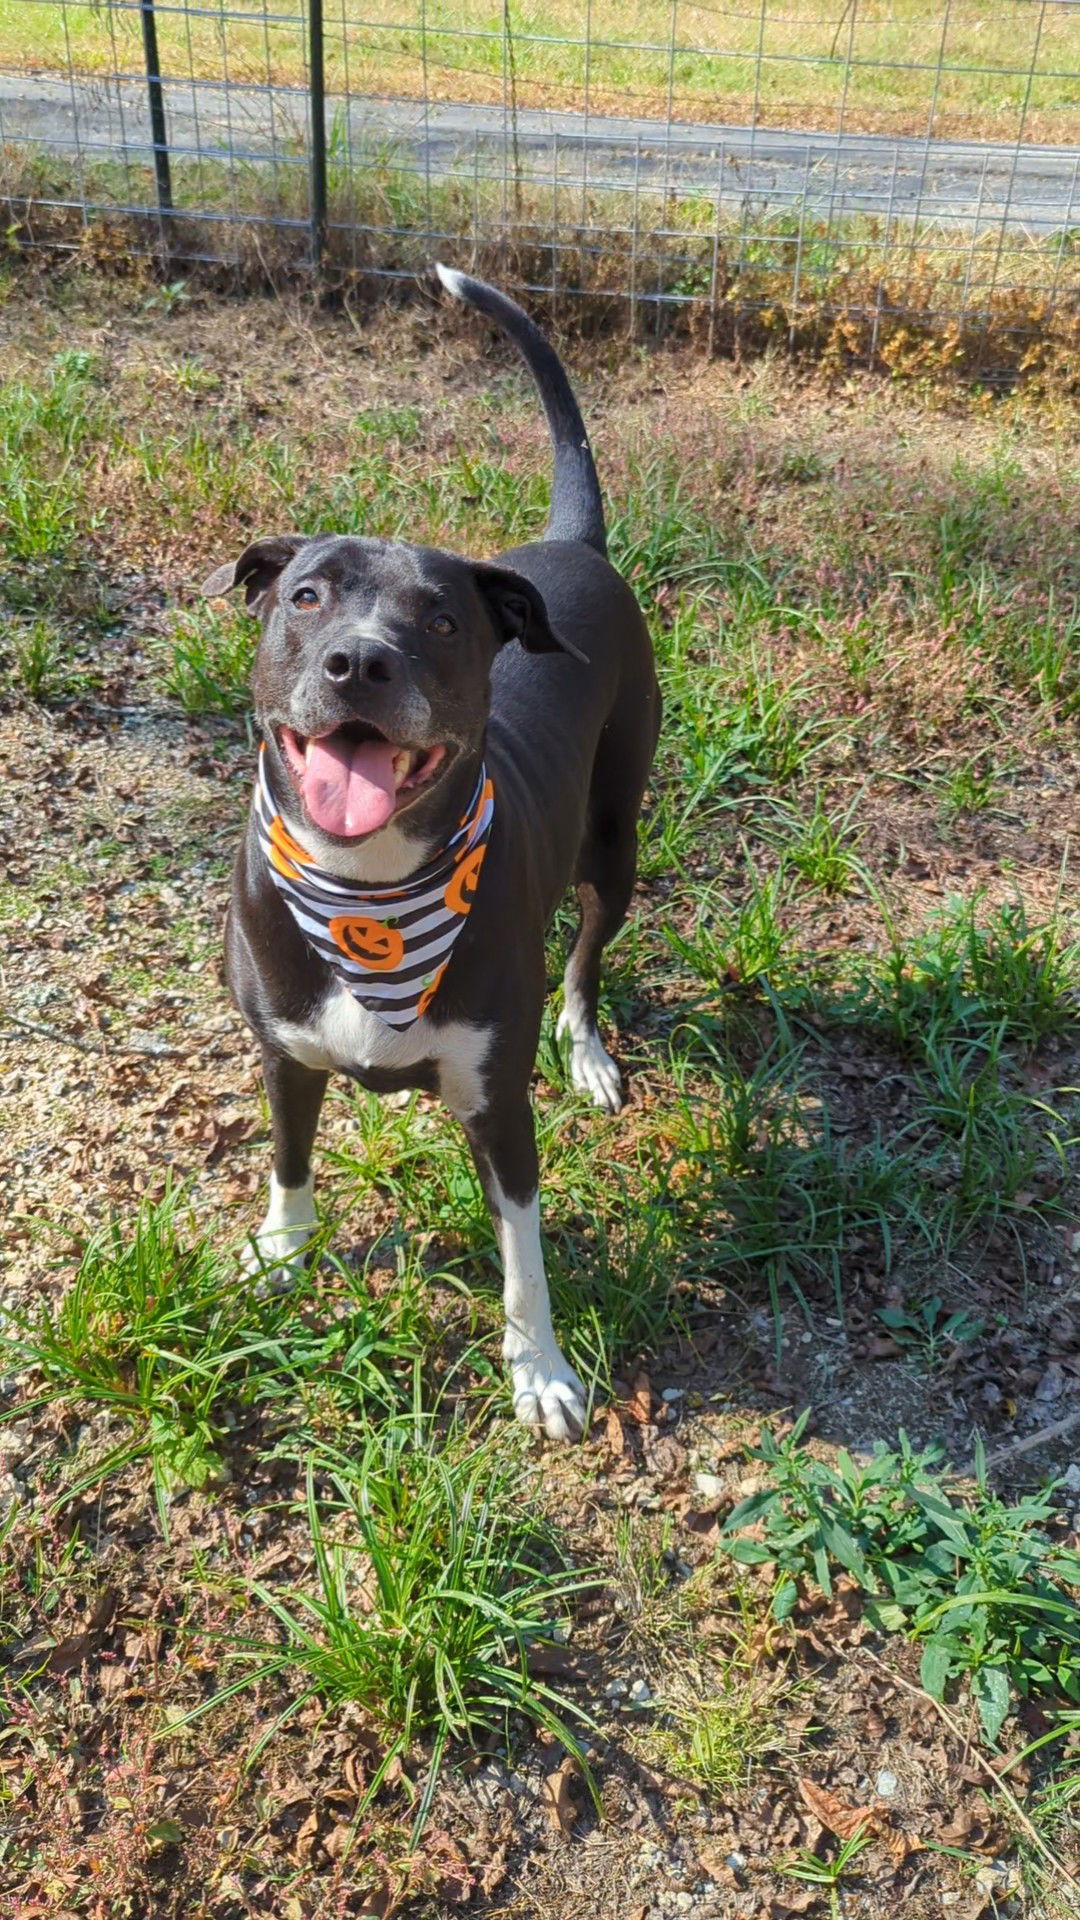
{"x": 547, "y": 1391}
{"x": 295, "y": 1094}
{"x": 604, "y": 877}
{"x": 605, "y": 882}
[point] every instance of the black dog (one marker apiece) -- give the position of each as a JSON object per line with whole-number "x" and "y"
{"x": 447, "y": 744}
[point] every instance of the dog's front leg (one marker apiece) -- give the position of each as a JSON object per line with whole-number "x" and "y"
{"x": 547, "y": 1391}
{"x": 295, "y": 1094}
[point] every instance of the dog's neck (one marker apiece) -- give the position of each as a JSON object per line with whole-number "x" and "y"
{"x": 399, "y": 849}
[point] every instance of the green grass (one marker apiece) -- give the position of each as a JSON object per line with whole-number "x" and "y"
{"x": 977, "y": 977}
{"x": 43, "y": 430}
{"x": 436, "y": 1576}
{"x": 159, "y": 1329}
{"x": 39, "y": 652}
{"x": 880, "y": 62}
{"x": 712, "y": 1740}
{"x": 208, "y": 661}
{"x": 812, "y": 1870}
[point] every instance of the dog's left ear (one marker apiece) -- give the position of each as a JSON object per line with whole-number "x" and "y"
{"x": 518, "y": 611}
{"x": 256, "y": 570}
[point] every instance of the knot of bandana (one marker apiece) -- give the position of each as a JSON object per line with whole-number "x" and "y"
{"x": 389, "y": 945}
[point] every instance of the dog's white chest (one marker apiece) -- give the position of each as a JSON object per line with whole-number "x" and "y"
{"x": 345, "y": 1037}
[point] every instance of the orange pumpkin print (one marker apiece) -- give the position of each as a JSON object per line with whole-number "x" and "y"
{"x": 371, "y": 943}
{"x": 462, "y": 884}
{"x": 286, "y": 853}
{"x": 429, "y": 992}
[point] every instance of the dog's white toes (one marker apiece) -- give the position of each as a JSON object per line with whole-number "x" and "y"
{"x": 548, "y": 1394}
{"x": 592, "y": 1069}
{"x": 276, "y": 1259}
{"x": 594, "y": 1072}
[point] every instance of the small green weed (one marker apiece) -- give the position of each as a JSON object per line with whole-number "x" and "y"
{"x": 748, "y": 946}
{"x": 385, "y": 426}
{"x": 192, "y": 376}
{"x": 168, "y": 299}
{"x": 971, "y": 787}
{"x": 813, "y": 1871}
{"x": 768, "y": 1190}
{"x": 42, "y": 430}
{"x": 712, "y": 1737}
{"x": 747, "y": 730}
{"x": 993, "y": 1600}
{"x": 929, "y": 1330}
{"x": 41, "y": 659}
{"x": 991, "y": 1150}
{"x": 1054, "y": 1812}
{"x": 820, "y": 846}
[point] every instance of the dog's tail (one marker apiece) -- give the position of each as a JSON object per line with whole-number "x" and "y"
{"x": 577, "y": 511}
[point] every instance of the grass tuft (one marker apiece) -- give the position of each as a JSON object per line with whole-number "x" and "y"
{"x": 209, "y": 656}
{"x": 435, "y": 1578}
{"x": 158, "y": 1329}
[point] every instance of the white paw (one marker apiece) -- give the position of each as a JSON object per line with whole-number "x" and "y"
{"x": 277, "y": 1259}
{"x": 592, "y": 1069}
{"x": 548, "y": 1393}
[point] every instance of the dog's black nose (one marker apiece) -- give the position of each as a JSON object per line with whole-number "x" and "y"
{"x": 344, "y": 666}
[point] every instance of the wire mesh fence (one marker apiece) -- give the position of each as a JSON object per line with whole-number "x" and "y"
{"x": 881, "y": 165}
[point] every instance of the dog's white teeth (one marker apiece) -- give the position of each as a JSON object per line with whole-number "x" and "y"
{"x": 402, "y": 766}
{"x": 308, "y": 745}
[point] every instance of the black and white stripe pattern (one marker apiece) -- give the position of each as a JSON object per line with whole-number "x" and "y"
{"x": 390, "y": 944}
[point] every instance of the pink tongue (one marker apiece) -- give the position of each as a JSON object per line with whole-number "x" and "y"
{"x": 348, "y": 786}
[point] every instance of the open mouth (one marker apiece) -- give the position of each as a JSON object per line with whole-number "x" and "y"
{"x": 353, "y": 780}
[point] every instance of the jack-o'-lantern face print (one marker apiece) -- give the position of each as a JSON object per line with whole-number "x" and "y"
{"x": 463, "y": 881}
{"x": 430, "y": 991}
{"x": 374, "y": 944}
{"x": 286, "y": 853}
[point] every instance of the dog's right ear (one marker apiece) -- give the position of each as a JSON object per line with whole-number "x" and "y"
{"x": 256, "y": 570}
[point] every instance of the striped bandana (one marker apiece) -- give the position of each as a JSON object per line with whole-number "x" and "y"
{"x": 389, "y": 945}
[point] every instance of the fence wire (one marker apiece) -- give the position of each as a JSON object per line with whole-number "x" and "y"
{"x": 879, "y": 161}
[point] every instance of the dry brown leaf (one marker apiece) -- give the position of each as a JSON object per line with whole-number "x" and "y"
{"x": 832, "y": 1812}
{"x": 558, "y": 1800}
{"x": 493, "y": 1872}
{"x": 456, "y": 1881}
{"x": 70, "y": 1653}
{"x": 901, "y": 1844}
{"x": 378, "y": 1904}
{"x": 714, "y": 1865}
{"x": 306, "y": 1835}
{"x": 337, "y": 1842}
{"x": 703, "y": 1521}
{"x": 639, "y": 1406}
{"x": 799, "y": 1900}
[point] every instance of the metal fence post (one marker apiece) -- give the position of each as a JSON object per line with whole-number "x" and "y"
{"x": 317, "y": 89}
{"x": 158, "y": 134}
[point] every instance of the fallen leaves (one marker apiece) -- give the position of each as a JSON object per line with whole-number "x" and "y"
{"x": 68, "y": 1654}
{"x": 844, "y": 1821}
{"x": 560, "y": 1806}
{"x": 831, "y": 1812}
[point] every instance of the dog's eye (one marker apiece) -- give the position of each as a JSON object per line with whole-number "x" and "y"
{"x": 305, "y": 598}
{"x": 442, "y": 625}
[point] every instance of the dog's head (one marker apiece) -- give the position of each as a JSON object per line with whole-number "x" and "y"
{"x": 372, "y": 677}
